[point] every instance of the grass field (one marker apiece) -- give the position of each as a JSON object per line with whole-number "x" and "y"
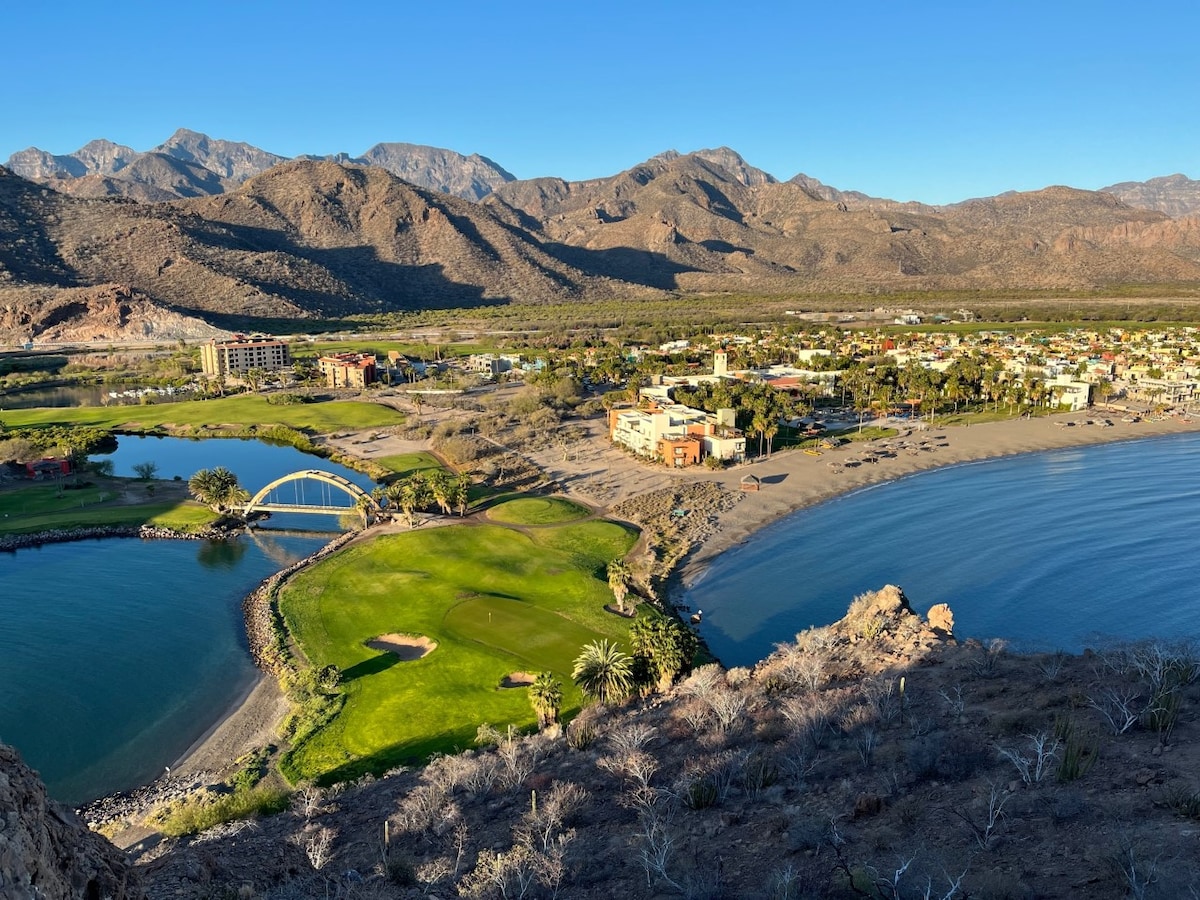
{"x": 496, "y": 600}
{"x": 537, "y": 511}
{"x": 403, "y": 464}
{"x": 241, "y": 410}
{"x": 42, "y": 507}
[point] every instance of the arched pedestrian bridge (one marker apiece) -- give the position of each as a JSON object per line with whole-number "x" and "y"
{"x": 271, "y": 499}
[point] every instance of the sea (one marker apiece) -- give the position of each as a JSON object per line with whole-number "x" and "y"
{"x": 1064, "y": 549}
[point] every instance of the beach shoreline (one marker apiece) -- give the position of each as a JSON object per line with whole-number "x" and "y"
{"x": 791, "y": 481}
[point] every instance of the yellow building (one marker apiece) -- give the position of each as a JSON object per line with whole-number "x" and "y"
{"x": 241, "y": 354}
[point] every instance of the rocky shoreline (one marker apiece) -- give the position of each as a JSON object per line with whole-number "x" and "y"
{"x": 14, "y": 542}
{"x": 263, "y": 624}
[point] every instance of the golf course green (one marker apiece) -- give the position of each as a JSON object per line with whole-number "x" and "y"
{"x": 496, "y": 600}
{"x": 242, "y": 410}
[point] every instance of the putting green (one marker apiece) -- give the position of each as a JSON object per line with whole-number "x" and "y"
{"x": 537, "y": 511}
{"x": 494, "y": 599}
{"x": 540, "y": 638}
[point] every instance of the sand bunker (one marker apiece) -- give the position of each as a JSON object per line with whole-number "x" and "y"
{"x": 517, "y": 680}
{"x": 406, "y": 646}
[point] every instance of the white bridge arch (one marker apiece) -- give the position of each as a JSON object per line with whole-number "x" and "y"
{"x": 357, "y": 494}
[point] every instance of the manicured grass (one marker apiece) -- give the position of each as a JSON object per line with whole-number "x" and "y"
{"x": 496, "y": 600}
{"x": 242, "y": 410}
{"x": 403, "y": 464}
{"x": 537, "y": 511}
{"x": 40, "y": 508}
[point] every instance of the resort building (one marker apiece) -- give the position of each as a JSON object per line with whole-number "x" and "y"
{"x": 1168, "y": 391}
{"x": 241, "y": 354}
{"x": 352, "y": 370}
{"x": 676, "y": 434}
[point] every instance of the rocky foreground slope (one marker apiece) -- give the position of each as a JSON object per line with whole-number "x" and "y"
{"x": 46, "y": 852}
{"x": 878, "y": 757}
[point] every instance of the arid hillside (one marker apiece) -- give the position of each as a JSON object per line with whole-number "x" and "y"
{"x": 318, "y": 238}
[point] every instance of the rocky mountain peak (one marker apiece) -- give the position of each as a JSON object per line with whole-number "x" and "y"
{"x": 1176, "y": 195}
{"x": 729, "y": 160}
{"x": 471, "y": 177}
{"x": 232, "y": 160}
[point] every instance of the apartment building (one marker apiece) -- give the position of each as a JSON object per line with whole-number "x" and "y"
{"x": 676, "y": 434}
{"x": 241, "y": 353}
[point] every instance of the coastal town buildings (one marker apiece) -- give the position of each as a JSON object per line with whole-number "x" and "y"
{"x": 677, "y": 435}
{"x": 241, "y": 354}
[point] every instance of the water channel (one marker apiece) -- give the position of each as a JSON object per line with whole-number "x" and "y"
{"x": 117, "y": 654}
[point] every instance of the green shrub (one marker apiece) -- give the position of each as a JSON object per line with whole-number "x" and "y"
{"x": 201, "y": 813}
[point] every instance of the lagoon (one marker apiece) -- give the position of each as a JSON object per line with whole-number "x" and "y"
{"x": 117, "y": 654}
{"x": 1060, "y": 549}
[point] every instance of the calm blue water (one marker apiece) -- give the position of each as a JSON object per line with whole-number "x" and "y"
{"x": 1047, "y": 550}
{"x": 116, "y": 655}
{"x": 255, "y": 463}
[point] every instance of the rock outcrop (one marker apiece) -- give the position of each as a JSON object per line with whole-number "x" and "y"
{"x": 46, "y": 852}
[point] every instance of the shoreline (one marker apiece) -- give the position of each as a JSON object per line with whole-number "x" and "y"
{"x": 792, "y": 481}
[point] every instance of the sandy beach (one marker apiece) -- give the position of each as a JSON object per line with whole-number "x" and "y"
{"x": 599, "y": 475}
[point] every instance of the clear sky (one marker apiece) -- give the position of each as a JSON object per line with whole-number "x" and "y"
{"x": 909, "y": 99}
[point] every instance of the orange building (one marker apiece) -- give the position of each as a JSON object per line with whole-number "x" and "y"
{"x": 348, "y": 369}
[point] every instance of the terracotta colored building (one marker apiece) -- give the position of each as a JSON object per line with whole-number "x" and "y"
{"x": 349, "y": 369}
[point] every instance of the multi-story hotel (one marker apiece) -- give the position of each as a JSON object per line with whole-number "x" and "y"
{"x": 241, "y": 354}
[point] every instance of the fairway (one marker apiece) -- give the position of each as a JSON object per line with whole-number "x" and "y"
{"x": 495, "y": 600}
{"x": 404, "y": 464}
{"x": 242, "y": 410}
{"x": 43, "y": 507}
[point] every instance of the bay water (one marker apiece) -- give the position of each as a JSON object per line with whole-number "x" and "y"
{"x": 1056, "y": 550}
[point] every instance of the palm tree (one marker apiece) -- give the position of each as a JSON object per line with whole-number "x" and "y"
{"x": 545, "y": 696}
{"x": 618, "y": 581}
{"x": 460, "y": 493}
{"x": 439, "y": 487}
{"x": 217, "y": 488}
{"x": 603, "y": 671}
{"x": 759, "y": 425}
{"x": 769, "y": 432}
{"x": 665, "y": 646}
{"x": 364, "y": 505}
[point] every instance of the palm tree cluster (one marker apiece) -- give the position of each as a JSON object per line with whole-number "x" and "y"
{"x": 760, "y": 408}
{"x": 217, "y": 488}
{"x": 663, "y": 650}
{"x": 421, "y": 490}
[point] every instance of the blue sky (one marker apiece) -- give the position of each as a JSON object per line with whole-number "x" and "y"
{"x": 933, "y": 101}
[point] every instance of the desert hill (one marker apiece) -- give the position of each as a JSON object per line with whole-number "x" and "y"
{"x": 303, "y": 239}
{"x": 713, "y": 231}
{"x": 321, "y": 238}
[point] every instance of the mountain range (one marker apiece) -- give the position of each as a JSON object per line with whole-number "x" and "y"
{"x": 250, "y": 235}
